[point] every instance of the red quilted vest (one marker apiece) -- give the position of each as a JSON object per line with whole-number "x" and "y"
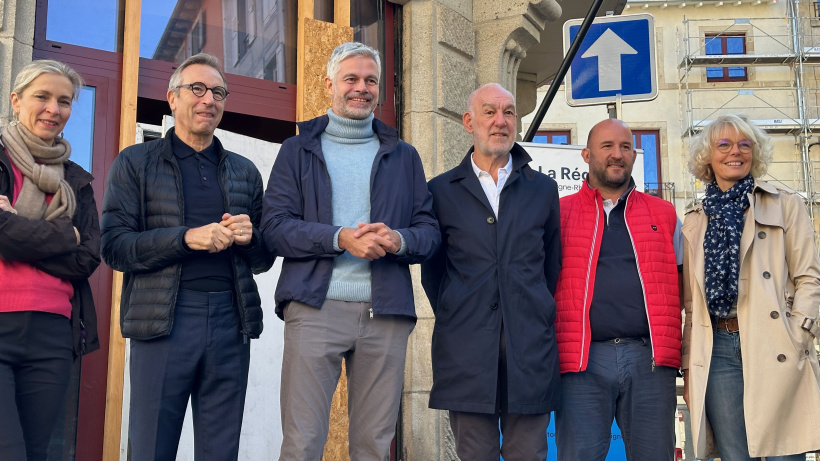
{"x": 651, "y": 222}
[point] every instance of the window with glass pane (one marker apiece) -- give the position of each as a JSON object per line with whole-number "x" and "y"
{"x": 79, "y": 130}
{"x": 649, "y": 141}
{"x": 367, "y": 20}
{"x": 254, "y": 38}
{"x": 254, "y": 45}
{"x": 552, "y": 137}
{"x": 89, "y": 23}
{"x": 198, "y": 35}
{"x": 725, "y": 45}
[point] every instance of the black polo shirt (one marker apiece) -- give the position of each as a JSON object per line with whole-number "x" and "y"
{"x": 618, "y": 309}
{"x": 204, "y": 204}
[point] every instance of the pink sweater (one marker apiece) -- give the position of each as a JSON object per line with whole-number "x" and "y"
{"x": 26, "y": 288}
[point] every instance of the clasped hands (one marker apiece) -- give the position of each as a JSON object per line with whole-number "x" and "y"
{"x": 370, "y": 241}
{"x": 216, "y": 237}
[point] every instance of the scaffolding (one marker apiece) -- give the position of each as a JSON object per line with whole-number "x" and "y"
{"x": 780, "y": 94}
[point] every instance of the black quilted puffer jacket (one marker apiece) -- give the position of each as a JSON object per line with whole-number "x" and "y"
{"x": 143, "y": 232}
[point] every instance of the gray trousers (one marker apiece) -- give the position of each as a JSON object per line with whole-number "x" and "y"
{"x": 374, "y": 350}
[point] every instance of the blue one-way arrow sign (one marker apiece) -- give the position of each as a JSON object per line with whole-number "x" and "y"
{"x": 616, "y": 58}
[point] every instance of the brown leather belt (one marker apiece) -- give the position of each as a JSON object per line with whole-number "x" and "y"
{"x": 729, "y": 324}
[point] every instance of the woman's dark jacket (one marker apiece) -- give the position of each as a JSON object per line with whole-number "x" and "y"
{"x": 143, "y": 235}
{"x": 51, "y": 246}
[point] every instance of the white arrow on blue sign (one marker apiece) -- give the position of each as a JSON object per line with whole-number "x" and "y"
{"x": 617, "y": 57}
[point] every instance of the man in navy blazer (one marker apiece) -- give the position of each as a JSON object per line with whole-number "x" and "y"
{"x": 491, "y": 287}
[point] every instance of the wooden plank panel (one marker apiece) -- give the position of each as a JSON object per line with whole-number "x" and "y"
{"x": 341, "y": 12}
{"x": 128, "y": 127}
{"x": 321, "y": 38}
{"x": 316, "y": 41}
{"x": 305, "y": 12}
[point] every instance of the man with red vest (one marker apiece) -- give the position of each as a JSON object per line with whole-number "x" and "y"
{"x": 618, "y": 324}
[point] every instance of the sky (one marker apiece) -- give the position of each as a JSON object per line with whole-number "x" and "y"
{"x": 93, "y": 24}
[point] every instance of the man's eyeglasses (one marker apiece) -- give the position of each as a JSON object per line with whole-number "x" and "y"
{"x": 199, "y": 89}
{"x": 745, "y": 146}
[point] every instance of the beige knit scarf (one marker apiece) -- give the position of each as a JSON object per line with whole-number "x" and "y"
{"x": 43, "y": 173}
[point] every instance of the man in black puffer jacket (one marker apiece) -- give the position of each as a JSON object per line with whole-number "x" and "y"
{"x": 180, "y": 220}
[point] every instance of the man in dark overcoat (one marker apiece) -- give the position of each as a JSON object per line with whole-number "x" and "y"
{"x": 491, "y": 287}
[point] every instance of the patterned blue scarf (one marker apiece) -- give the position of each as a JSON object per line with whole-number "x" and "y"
{"x": 721, "y": 246}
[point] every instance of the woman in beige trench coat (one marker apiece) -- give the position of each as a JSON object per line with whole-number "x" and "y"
{"x": 751, "y": 295}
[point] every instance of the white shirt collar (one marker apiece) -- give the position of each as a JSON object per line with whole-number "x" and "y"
{"x": 492, "y": 189}
{"x": 507, "y": 168}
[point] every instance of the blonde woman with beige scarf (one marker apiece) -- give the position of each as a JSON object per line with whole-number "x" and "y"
{"x": 49, "y": 247}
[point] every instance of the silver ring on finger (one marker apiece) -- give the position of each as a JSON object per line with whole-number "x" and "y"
{"x": 241, "y": 232}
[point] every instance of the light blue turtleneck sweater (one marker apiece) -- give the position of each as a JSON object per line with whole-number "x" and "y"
{"x": 349, "y": 147}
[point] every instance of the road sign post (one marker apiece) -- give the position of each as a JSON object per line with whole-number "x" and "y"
{"x": 615, "y": 63}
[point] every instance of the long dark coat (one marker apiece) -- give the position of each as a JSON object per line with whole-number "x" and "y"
{"x": 490, "y": 270}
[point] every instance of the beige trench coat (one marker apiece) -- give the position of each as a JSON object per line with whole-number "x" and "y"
{"x": 778, "y": 287}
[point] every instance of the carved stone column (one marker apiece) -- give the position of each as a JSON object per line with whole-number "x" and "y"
{"x": 438, "y": 75}
{"x": 16, "y": 43}
{"x": 504, "y": 32}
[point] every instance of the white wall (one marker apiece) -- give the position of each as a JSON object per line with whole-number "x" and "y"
{"x": 262, "y": 426}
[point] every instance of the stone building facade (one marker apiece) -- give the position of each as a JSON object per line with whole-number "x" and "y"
{"x": 448, "y": 48}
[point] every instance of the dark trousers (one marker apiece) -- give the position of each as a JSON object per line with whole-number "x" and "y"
{"x": 205, "y": 358}
{"x": 477, "y": 434}
{"x": 619, "y": 383}
{"x": 36, "y": 355}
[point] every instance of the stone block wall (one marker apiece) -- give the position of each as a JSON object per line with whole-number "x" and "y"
{"x": 16, "y": 43}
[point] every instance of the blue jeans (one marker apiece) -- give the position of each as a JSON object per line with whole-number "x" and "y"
{"x": 619, "y": 384}
{"x": 724, "y": 400}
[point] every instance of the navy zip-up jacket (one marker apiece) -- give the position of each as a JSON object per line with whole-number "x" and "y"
{"x": 297, "y": 219}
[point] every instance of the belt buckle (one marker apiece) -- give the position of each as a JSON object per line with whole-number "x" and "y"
{"x": 723, "y": 323}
